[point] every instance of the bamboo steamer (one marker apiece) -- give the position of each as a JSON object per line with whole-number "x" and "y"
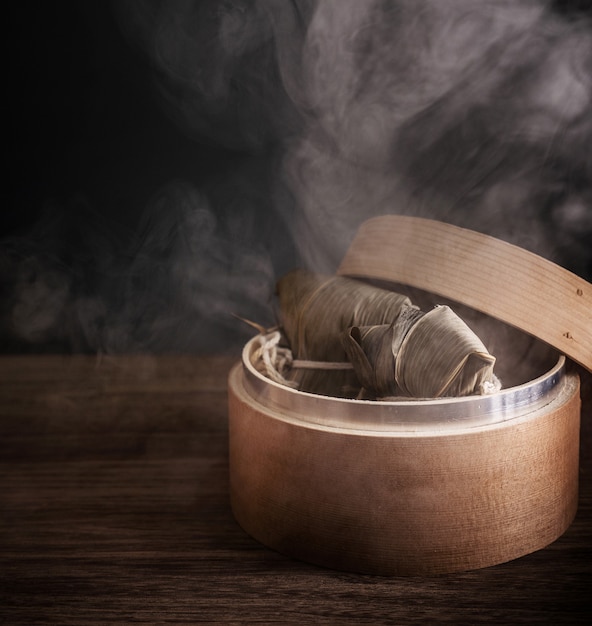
{"x": 419, "y": 487}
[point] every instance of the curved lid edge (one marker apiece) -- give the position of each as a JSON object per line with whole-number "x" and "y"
{"x": 489, "y": 275}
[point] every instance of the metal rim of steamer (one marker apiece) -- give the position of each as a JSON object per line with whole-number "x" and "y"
{"x": 406, "y": 415}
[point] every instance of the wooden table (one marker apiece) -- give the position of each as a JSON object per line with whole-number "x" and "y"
{"x": 114, "y": 509}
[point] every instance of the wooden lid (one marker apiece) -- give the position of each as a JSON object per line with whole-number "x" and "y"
{"x": 485, "y": 273}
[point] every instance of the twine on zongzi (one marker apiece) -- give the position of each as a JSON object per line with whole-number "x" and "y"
{"x": 274, "y": 361}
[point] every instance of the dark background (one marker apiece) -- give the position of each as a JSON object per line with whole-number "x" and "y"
{"x": 88, "y": 142}
{"x": 84, "y": 123}
{"x": 89, "y": 146}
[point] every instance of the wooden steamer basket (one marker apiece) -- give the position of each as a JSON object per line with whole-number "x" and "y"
{"x": 423, "y": 486}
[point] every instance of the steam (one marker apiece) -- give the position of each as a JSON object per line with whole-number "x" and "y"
{"x": 176, "y": 286}
{"x": 172, "y": 292}
{"x": 475, "y": 113}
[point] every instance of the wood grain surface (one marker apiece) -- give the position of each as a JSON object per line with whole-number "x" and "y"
{"x": 485, "y": 273}
{"x": 114, "y": 509}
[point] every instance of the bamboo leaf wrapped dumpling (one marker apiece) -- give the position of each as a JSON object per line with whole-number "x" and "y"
{"x": 441, "y": 356}
{"x": 315, "y": 310}
{"x": 391, "y": 347}
{"x": 429, "y": 355}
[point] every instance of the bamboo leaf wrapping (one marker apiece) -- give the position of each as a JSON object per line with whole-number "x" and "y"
{"x": 316, "y": 309}
{"x": 395, "y": 349}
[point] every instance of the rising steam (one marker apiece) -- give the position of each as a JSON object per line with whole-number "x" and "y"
{"x": 475, "y": 113}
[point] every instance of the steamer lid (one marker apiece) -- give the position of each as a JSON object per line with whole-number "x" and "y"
{"x": 489, "y": 275}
